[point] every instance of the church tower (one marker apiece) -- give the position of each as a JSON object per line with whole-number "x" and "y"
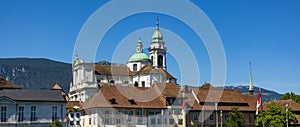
{"x": 139, "y": 59}
{"x": 251, "y": 90}
{"x": 157, "y": 49}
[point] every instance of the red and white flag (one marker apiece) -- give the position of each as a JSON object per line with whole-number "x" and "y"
{"x": 183, "y": 105}
{"x": 258, "y": 104}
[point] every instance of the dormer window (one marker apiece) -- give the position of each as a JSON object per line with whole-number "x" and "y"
{"x": 132, "y": 102}
{"x": 113, "y": 101}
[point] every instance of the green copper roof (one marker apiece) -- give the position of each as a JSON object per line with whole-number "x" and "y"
{"x": 157, "y": 34}
{"x": 139, "y": 56}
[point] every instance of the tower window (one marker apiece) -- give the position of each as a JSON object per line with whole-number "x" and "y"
{"x": 134, "y": 67}
{"x": 143, "y": 83}
{"x": 160, "y": 61}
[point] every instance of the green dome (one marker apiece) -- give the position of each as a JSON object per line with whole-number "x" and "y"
{"x": 157, "y": 34}
{"x": 139, "y": 56}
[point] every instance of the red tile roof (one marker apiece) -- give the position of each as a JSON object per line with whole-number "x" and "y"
{"x": 113, "y": 70}
{"x": 149, "y": 69}
{"x": 4, "y": 84}
{"x": 121, "y": 95}
{"x": 292, "y": 104}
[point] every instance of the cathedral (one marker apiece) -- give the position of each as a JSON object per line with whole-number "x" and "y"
{"x": 141, "y": 70}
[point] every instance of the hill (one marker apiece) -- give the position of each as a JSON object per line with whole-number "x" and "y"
{"x": 267, "y": 95}
{"x": 36, "y": 73}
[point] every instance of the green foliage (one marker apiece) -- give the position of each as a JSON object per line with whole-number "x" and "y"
{"x": 236, "y": 118}
{"x": 274, "y": 116}
{"x": 193, "y": 125}
{"x": 56, "y": 123}
{"x": 292, "y": 96}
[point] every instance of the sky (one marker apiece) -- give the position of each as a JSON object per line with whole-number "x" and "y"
{"x": 263, "y": 32}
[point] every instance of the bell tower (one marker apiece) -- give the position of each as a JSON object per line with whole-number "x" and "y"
{"x": 157, "y": 49}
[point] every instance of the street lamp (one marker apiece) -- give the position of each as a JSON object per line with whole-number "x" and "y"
{"x": 286, "y": 115}
{"x": 216, "y": 106}
{"x": 221, "y": 118}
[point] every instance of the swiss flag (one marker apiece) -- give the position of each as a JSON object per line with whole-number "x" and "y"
{"x": 258, "y": 104}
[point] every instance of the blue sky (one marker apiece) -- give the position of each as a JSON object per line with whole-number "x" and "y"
{"x": 265, "y": 33}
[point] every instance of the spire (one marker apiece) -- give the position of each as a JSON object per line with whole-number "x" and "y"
{"x": 139, "y": 46}
{"x": 251, "y": 91}
{"x": 157, "y": 23}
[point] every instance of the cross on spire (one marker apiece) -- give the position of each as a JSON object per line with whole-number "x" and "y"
{"x": 157, "y": 23}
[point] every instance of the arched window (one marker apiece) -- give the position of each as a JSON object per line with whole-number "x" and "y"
{"x": 134, "y": 67}
{"x": 160, "y": 61}
{"x": 136, "y": 84}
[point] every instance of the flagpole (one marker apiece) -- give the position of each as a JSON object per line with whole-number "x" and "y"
{"x": 261, "y": 108}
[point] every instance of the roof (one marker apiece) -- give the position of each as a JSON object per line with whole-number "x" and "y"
{"x": 149, "y": 69}
{"x": 126, "y": 97}
{"x": 169, "y": 89}
{"x": 56, "y": 87}
{"x": 112, "y": 70}
{"x": 4, "y": 84}
{"x": 139, "y": 56}
{"x": 74, "y": 104}
{"x": 157, "y": 34}
{"x": 292, "y": 104}
{"x": 226, "y": 99}
{"x": 33, "y": 95}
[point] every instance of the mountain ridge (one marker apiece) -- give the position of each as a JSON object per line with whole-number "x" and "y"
{"x": 43, "y": 73}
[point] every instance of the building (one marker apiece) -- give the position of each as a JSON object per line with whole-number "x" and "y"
{"x": 27, "y": 108}
{"x": 143, "y": 93}
{"x": 140, "y": 71}
{"x": 31, "y": 107}
{"x": 206, "y": 108}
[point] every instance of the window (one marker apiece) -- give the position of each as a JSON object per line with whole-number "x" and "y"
{"x": 180, "y": 121}
{"x": 171, "y": 121}
{"x": 71, "y": 115}
{"x": 90, "y": 121}
{"x": 54, "y": 113}
{"x": 143, "y": 83}
{"x": 78, "y": 115}
{"x": 3, "y": 114}
{"x": 152, "y": 121}
{"x": 134, "y": 67}
{"x": 140, "y": 120}
{"x": 83, "y": 122}
{"x": 211, "y": 117}
{"x": 94, "y": 121}
{"x": 196, "y": 116}
{"x": 77, "y": 123}
{"x": 33, "y": 113}
{"x": 107, "y": 112}
{"x": 160, "y": 61}
{"x": 71, "y": 122}
{"x": 138, "y": 113}
{"x": 21, "y": 114}
{"x": 159, "y": 121}
{"x": 152, "y": 58}
{"x": 119, "y": 121}
{"x": 226, "y": 116}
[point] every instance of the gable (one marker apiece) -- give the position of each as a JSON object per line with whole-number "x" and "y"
{"x": 6, "y": 100}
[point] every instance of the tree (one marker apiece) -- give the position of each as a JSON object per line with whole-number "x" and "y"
{"x": 274, "y": 116}
{"x": 236, "y": 118}
{"x": 56, "y": 123}
{"x": 292, "y": 96}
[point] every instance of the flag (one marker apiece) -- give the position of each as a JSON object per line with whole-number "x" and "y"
{"x": 183, "y": 104}
{"x": 258, "y": 104}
